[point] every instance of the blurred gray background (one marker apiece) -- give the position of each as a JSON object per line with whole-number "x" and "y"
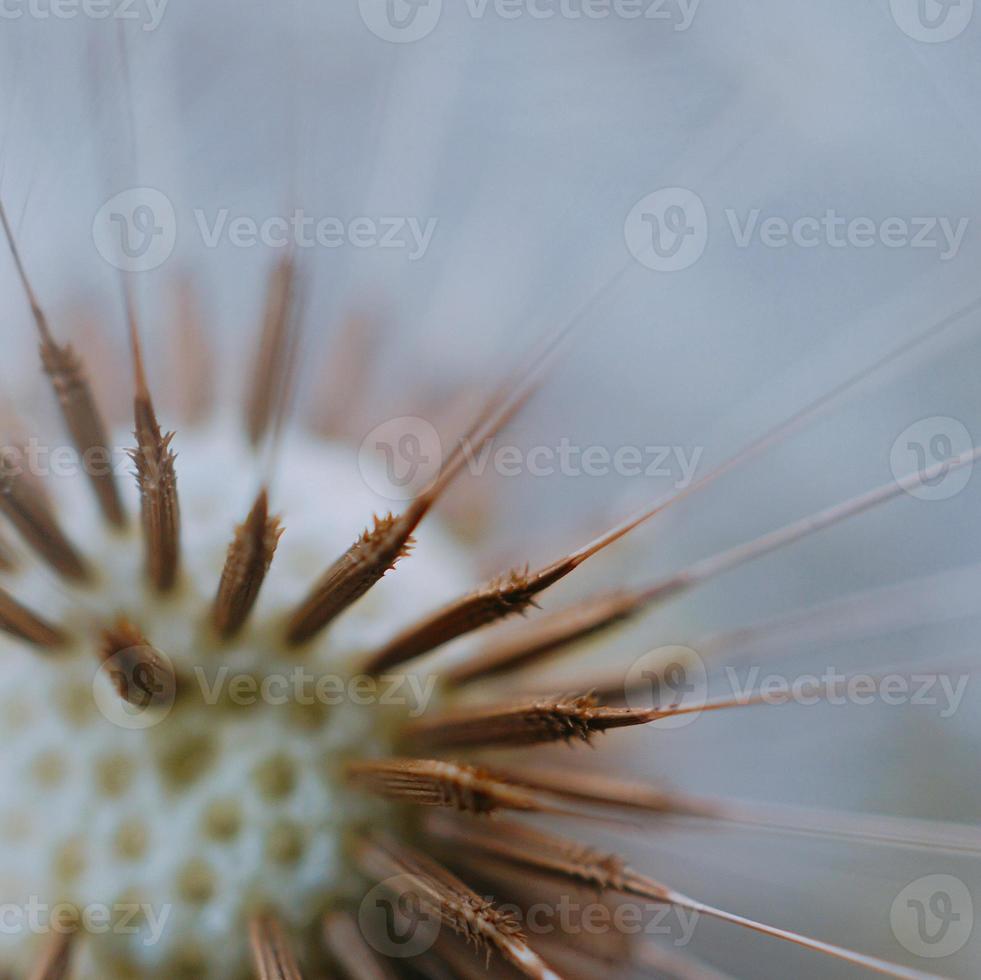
{"x": 529, "y": 140}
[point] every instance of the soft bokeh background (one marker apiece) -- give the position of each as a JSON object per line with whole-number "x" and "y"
{"x": 530, "y": 140}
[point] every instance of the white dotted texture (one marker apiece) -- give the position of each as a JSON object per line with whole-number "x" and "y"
{"x": 97, "y": 814}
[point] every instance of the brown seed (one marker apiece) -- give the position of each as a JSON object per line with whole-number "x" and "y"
{"x": 447, "y": 899}
{"x": 557, "y": 719}
{"x": 271, "y": 954}
{"x": 347, "y": 946}
{"x": 28, "y": 509}
{"x": 21, "y": 622}
{"x": 275, "y": 355}
{"x": 428, "y": 782}
{"x": 139, "y": 673}
{"x": 604, "y": 612}
{"x": 193, "y": 372}
{"x": 378, "y": 551}
{"x": 505, "y": 596}
{"x": 249, "y": 557}
{"x": 547, "y": 634}
{"x": 546, "y": 853}
{"x": 156, "y": 478}
{"x": 7, "y": 561}
{"x": 56, "y": 958}
{"x": 346, "y": 377}
{"x": 74, "y": 393}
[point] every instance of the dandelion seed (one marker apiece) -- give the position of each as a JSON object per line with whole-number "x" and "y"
{"x": 29, "y": 511}
{"x": 347, "y": 946}
{"x": 558, "y": 856}
{"x": 445, "y": 896}
{"x": 78, "y": 408}
{"x": 275, "y": 356}
{"x": 56, "y": 960}
{"x": 26, "y": 625}
{"x": 156, "y": 478}
{"x": 428, "y": 782}
{"x": 249, "y": 557}
{"x": 274, "y": 960}
{"x": 141, "y": 676}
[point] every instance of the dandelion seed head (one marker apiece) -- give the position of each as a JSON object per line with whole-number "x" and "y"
{"x": 232, "y": 799}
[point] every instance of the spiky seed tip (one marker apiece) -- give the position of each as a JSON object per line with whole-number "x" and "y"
{"x": 56, "y": 958}
{"x": 376, "y": 552}
{"x": 156, "y": 478}
{"x": 505, "y": 596}
{"x": 139, "y": 673}
{"x": 546, "y": 635}
{"x": 599, "y": 615}
{"x": 346, "y": 944}
{"x": 74, "y": 393}
{"x": 27, "y": 625}
{"x": 557, "y": 719}
{"x": 26, "y": 506}
{"x": 429, "y": 782}
{"x": 448, "y": 900}
{"x": 555, "y": 856}
{"x": 249, "y": 556}
{"x": 271, "y": 953}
